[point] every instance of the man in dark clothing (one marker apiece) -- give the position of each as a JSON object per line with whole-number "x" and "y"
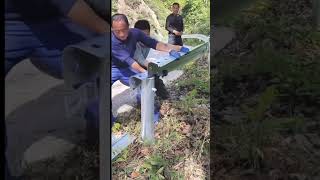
{"x": 174, "y": 25}
{"x": 41, "y": 29}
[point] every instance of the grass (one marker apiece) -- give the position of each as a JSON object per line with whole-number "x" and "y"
{"x": 225, "y": 11}
{"x": 260, "y": 78}
{"x": 180, "y": 150}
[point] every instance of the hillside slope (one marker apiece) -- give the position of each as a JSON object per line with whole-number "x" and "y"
{"x": 139, "y": 9}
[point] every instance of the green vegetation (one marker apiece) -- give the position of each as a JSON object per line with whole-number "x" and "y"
{"x": 196, "y": 14}
{"x": 266, "y": 92}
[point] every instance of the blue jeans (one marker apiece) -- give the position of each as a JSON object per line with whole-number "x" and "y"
{"x": 175, "y": 40}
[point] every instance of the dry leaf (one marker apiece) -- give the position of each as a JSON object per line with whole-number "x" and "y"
{"x": 186, "y": 129}
{"x": 157, "y": 135}
{"x": 178, "y": 166}
{"x": 145, "y": 151}
{"x": 135, "y": 174}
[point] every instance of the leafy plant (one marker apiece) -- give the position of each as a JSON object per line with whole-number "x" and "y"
{"x": 154, "y": 166}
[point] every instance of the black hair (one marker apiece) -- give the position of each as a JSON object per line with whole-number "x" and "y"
{"x": 119, "y": 17}
{"x": 176, "y": 4}
{"x": 142, "y": 25}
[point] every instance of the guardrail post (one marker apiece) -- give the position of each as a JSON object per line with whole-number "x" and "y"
{"x": 104, "y": 123}
{"x": 147, "y": 109}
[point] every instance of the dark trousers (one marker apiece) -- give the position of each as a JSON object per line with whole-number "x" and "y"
{"x": 175, "y": 40}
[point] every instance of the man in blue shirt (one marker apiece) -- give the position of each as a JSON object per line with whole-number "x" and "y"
{"x": 123, "y": 43}
{"x": 40, "y": 29}
{"x": 123, "y": 46}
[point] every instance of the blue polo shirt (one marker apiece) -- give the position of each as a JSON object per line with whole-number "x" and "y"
{"x": 39, "y": 10}
{"x": 123, "y": 51}
{"x": 46, "y": 19}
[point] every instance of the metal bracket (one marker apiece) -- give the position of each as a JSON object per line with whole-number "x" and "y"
{"x": 85, "y": 62}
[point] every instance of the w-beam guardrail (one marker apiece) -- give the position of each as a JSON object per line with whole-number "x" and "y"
{"x": 161, "y": 64}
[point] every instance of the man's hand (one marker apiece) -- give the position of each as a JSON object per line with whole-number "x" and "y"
{"x": 184, "y": 49}
{"x": 174, "y": 54}
{"x": 82, "y": 14}
{"x": 167, "y": 47}
{"x": 177, "y": 33}
{"x": 137, "y": 67}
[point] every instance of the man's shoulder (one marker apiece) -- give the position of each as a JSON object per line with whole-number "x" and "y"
{"x": 134, "y": 30}
{"x": 170, "y": 15}
{"x": 174, "y": 16}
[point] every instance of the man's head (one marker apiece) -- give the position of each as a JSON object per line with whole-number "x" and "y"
{"x": 143, "y": 25}
{"x": 175, "y": 8}
{"x": 120, "y": 26}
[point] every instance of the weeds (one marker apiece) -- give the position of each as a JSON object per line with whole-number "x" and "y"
{"x": 182, "y": 133}
{"x": 270, "y": 73}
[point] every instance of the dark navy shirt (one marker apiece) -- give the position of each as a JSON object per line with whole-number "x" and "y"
{"x": 123, "y": 51}
{"x": 174, "y": 22}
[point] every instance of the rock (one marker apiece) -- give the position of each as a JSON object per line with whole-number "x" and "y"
{"x": 232, "y": 115}
{"x": 172, "y": 75}
{"x": 46, "y": 148}
{"x": 303, "y": 143}
{"x": 223, "y": 36}
{"x": 314, "y": 139}
{"x": 125, "y": 108}
{"x": 313, "y": 127}
{"x": 296, "y": 176}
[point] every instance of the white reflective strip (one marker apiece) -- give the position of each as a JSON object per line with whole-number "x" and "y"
{"x": 196, "y": 36}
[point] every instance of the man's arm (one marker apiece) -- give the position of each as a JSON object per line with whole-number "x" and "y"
{"x": 182, "y": 24}
{"x": 167, "y": 47}
{"x": 82, "y": 14}
{"x": 154, "y": 44}
{"x": 168, "y": 27}
{"x": 141, "y": 54}
{"x": 123, "y": 55}
{"x": 137, "y": 67}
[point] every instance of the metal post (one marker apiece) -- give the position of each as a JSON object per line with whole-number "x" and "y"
{"x": 105, "y": 123}
{"x": 147, "y": 109}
